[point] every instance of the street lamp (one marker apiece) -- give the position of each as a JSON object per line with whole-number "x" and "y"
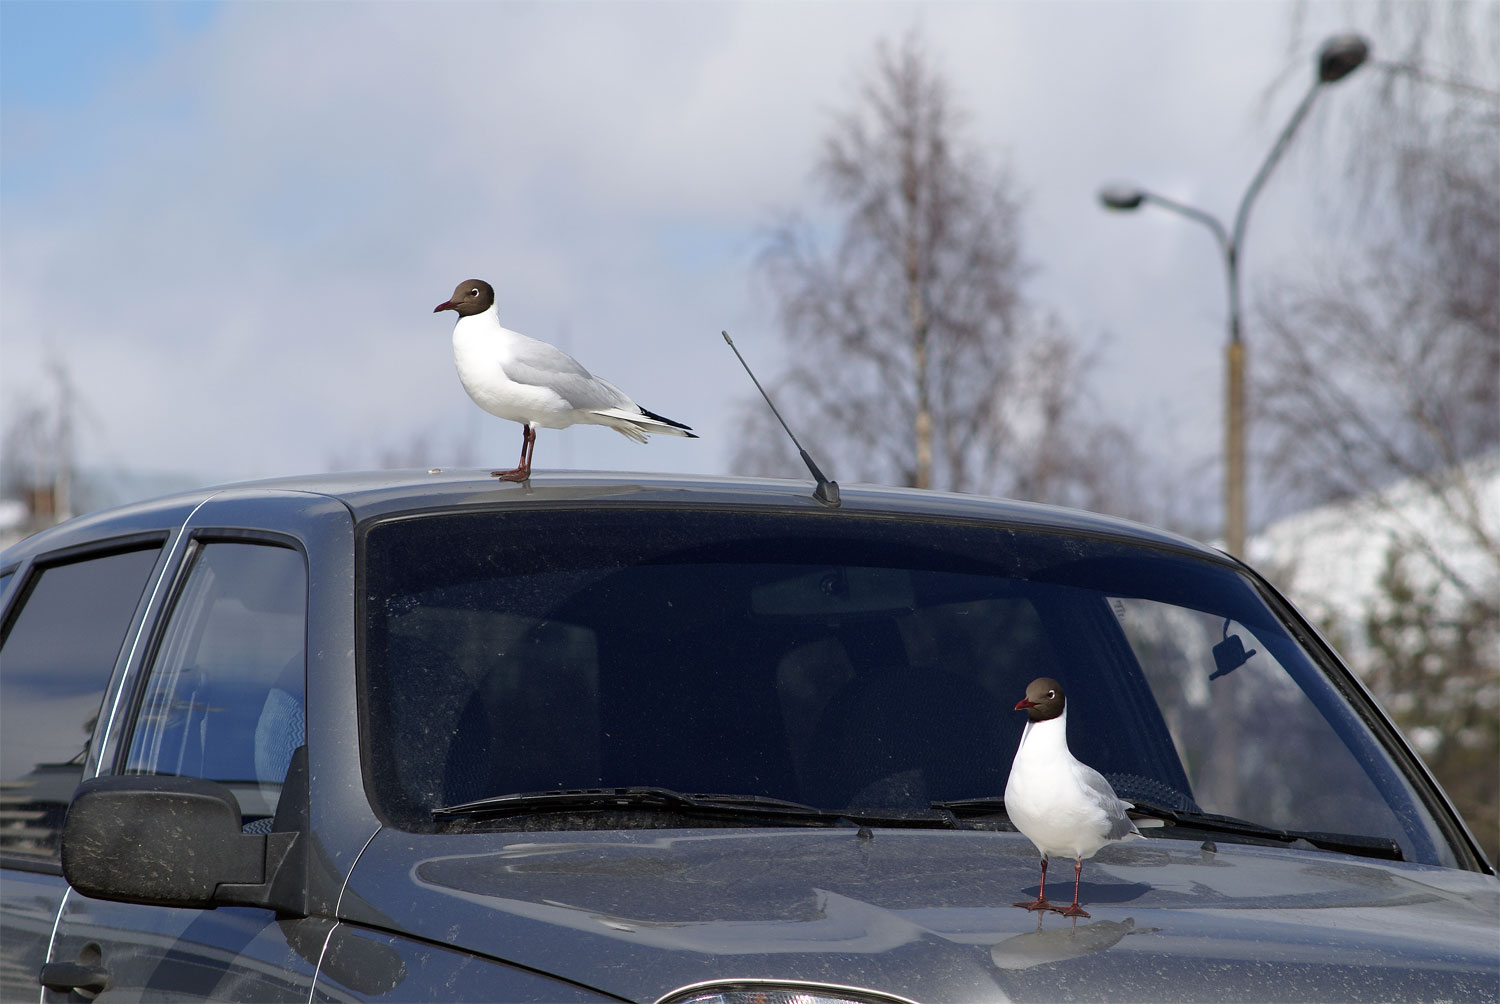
{"x": 1340, "y": 56}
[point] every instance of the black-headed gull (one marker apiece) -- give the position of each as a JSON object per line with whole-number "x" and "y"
{"x": 536, "y": 384}
{"x": 1063, "y": 806}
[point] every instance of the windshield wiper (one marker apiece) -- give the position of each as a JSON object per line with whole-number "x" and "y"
{"x": 634, "y": 797}
{"x": 651, "y": 798}
{"x": 988, "y": 805}
{"x": 1346, "y": 843}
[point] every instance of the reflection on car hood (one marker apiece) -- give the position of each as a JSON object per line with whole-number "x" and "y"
{"x": 927, "y": 915}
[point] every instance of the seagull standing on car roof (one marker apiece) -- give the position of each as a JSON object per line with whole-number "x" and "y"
{"x": 527, "y": 381}
{"x": 1064, "y": 807}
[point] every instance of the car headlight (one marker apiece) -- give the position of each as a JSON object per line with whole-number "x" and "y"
{"x": 776, "y": 992}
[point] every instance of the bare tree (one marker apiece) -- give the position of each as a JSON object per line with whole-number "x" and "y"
{"x": 1383, "y": 381}
{"x": 915, "y": 359}
{"x": 1374, "y": 384}
{"x": 37, "y": 462}
{"x": 1384, "y": 366}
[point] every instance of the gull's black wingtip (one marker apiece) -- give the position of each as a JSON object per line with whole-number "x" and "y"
{"x": 664, "y": 420}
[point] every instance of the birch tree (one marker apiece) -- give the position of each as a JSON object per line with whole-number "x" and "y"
{"x": 914, "y": 357}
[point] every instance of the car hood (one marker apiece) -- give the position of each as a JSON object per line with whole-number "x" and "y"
{"x": 927, "y": 915}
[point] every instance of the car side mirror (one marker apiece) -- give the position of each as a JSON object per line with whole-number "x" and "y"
{"x": 168, "y": 841}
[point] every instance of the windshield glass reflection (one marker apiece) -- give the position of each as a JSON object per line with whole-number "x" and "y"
{"x": 840, "y": 662}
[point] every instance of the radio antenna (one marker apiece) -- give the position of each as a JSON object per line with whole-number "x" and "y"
{"x": 827, "y": 491}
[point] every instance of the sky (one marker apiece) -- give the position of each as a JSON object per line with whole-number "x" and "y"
{"x": 229, "y": 222}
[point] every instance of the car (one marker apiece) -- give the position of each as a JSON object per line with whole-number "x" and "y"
{"x": 426, "y": 736}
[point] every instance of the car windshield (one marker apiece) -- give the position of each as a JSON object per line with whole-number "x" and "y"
{"x": 844, "y": 662}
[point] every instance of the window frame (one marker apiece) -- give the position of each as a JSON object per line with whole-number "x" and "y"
{"x": 194, "y": 542}
{"x": 1301, "y": 630}
{"x": 26, "y": 573}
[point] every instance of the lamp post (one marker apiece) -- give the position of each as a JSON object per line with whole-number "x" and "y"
{"x": 1339, "y": 57}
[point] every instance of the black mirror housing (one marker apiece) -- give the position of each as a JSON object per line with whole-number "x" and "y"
{"x": 167, "y": 841}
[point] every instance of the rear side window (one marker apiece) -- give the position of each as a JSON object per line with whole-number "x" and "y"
{"x": 224, "y": 700}
{"x": 55, "y": 661}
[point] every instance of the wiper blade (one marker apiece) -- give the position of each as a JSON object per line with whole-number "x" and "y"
{"x": 988, "y": 805}
{"x": 1346, "y": 843}
{"x": 634, "y": 797}
{"x": 651, "y": 798}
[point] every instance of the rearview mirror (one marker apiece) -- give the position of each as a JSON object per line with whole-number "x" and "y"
{"x": 167, "y": 841}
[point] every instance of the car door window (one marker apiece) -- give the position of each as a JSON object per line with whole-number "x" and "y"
{"x": 224, "y": 699}
{"x": 57, "y": 655}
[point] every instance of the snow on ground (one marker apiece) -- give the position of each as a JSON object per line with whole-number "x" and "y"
{"x": 1329, "y": 560}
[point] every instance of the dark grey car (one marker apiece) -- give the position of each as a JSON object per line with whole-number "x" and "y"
{"x": 591, "y": 738}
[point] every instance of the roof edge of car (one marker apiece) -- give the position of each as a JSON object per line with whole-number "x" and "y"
{"x": 375, "y": 494}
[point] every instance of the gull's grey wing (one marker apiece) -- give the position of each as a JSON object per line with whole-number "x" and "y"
{"x": 538, "y": 364}
{"x": 1103, "y": 794}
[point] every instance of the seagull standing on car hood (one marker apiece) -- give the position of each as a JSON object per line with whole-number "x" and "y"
{"x": 1063, "y": 806}
{"x": 536, "y": 384}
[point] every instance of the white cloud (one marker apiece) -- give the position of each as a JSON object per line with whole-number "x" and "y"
{"x": 239, "y": 246}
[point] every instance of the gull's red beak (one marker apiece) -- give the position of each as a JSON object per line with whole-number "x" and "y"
{"x": 445, "y": 305}
{"x": 1023, "y": 704}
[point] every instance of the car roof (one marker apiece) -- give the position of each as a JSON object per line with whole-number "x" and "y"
{"x": 375, "y": 494}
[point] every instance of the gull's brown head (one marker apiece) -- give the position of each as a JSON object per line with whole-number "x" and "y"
{"x": 472, "y": 296}
{"x": 1043, "y": 700}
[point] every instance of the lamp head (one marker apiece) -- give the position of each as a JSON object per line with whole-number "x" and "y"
{"x": 1121, "y": 197}
{"x": 1340, "y": 56}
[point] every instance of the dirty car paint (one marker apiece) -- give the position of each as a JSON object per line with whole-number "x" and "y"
{"x": 640, "y": 913}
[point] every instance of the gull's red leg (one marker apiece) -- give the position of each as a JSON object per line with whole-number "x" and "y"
{"x": 522, "y": 471}
{"x": 1040, "y": 903}
{"x": 1075, "y": 910}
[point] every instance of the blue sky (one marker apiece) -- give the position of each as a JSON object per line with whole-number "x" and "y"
{"x": 58, "y": 55}
{"x": 231, "y": 221}
{"x": 59, "y": 59}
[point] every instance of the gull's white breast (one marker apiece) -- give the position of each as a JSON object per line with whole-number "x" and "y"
{"x": 1056, "y": 801}
{"x": 481, "y": 350}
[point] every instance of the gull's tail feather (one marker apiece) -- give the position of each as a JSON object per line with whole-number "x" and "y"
{"x": 636, "y": 426}
{"x": 672, "y": 428}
